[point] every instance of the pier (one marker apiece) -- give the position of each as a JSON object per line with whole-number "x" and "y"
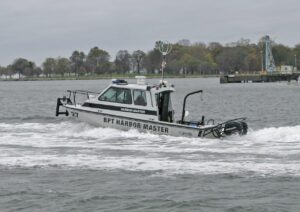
{"x": 263, "y": 77}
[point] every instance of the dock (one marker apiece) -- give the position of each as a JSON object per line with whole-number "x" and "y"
{"x": 259, "y": 78}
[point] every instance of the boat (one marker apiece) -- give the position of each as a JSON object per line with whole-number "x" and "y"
{"x": 146, "y": 108}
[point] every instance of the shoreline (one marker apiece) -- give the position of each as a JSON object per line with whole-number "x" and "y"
{"x": 105, "y": 77}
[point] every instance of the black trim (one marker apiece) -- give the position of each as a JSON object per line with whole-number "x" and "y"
{"x": 117, "y": 108}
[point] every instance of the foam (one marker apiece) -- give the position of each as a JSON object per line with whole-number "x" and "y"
{"x": 270, "y": 151}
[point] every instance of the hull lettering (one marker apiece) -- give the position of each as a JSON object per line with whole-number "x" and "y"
{"x": 136, "y": 125}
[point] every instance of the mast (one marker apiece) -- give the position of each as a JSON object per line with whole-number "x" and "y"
{"x": 165, "y": 48}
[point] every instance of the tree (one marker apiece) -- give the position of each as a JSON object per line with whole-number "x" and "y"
{"x": 138, "y": 57}
{"x": 49, "y": 66}
{"x": 6, "y": 71}
{"x": 2, "y": 71}
{"x": 215, "y": 49}
{"x": 283, "y": 55}
{"x": 122, "y": 61}
{"x": 19, "y": 66}
{"x": 153, "y": 61}
{"x": 62, "y": 66}
{"x": 37, "y": 71}
{"x": 77, "y": 59}
{"x": 9, "y": 71}
{"x": 29, "y": 69}
{"x": 297, "y": 55}
{"x": 232, "y": 59}
{"x": 184, "y": 42}
{"x": 190, "y": 63}
{"x": 98, "y": 60}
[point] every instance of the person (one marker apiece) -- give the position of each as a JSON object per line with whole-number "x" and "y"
{"x": 140, "y": 101}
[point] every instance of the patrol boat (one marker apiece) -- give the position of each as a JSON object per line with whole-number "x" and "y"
{"x": 147, "y": 108}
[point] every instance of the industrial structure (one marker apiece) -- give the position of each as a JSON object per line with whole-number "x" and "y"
{"x": 269, "y": 73}
{"x": 269, "y": 63}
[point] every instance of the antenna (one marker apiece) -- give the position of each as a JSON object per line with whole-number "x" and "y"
{"x": 165, "y": 48}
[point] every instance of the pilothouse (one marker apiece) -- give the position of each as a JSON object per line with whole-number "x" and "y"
{"x": 147, "y": 108}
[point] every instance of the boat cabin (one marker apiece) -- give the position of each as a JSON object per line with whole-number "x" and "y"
{"x": 139, "y": 100}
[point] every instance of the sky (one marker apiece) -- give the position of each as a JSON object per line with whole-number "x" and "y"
{"x": 37, "y": 29}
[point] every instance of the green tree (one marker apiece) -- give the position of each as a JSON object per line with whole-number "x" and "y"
{"x": 138, "y": 57}
{"x": 283, "y": 55}
{"x": 77, "y": 60}
{"x": 232, "y": 59}
{"x": 184, "y": 42}
{"x": 9, "y": 71}
{"x": 2, "y": 71}
{"x": 62, "y": 66}
{"x": 37, "y": 71}
{"x": 19, "y": 66}
{"x": 29, "y": 69}
{"x": 49, "y": 65}
{"x": 297, "y": 55}
{"x": 6, "y": 71}
{"x": 215, "y": 49}
{"x": 190, "y": 63}
{"x": 98, "y": 60}
{"x": 153, "y": 61}
{"x": 122, "y": 61}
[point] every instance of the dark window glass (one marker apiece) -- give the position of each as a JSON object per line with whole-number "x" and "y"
{"x": 139, "y": 97}
{"x": 118, "y": 95}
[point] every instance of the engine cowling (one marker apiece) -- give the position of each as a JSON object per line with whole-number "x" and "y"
{"x": 235, "y": 127}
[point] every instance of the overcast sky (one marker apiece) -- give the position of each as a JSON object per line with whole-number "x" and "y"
{"x": 36, "y": 29}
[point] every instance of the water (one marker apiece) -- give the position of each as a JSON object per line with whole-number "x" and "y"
{"x": 59, "y": 164}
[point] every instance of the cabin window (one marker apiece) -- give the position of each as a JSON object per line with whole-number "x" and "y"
{"x": 139, "y": 97}
{"x": 118, "y": 95}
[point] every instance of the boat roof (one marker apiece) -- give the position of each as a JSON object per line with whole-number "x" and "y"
{"x": 163, "y": 86}
{"x": 131, "y": 86}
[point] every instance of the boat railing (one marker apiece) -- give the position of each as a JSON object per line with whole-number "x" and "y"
{"x": 74, "y": 93}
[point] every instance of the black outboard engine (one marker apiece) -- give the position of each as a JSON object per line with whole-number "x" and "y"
{"x": 235, "y": 127}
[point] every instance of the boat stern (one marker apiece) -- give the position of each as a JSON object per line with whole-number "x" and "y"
{"x": 61, "y": 102}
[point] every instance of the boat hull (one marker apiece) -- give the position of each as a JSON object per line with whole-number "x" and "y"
{"x": 106, "y": 120}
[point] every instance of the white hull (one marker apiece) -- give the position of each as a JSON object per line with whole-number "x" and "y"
{"x": 146, "y": 108}
{"x": 107, "y": 120}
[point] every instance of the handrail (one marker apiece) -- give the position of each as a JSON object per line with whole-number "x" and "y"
{"x": 183, "y": 108}
{"x": 81, "y": 92}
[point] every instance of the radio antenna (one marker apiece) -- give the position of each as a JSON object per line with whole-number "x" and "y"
{"x": 165, "y": 48}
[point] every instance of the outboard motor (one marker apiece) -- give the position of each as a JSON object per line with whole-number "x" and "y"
{"x": 235, "y": 127}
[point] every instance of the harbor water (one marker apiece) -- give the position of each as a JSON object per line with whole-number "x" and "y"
{"x": 50, "y": 163}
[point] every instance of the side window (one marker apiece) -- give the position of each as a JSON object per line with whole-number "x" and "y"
{"x": 124, "y": 96}
{"x": 109, "y": 96}
{"x": 118, "y": 95}
{"x": 139, "y": 97}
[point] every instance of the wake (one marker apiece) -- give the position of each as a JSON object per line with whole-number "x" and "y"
{"x": 67, "y": 144}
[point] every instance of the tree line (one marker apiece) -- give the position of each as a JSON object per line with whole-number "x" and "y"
{"x": 185, "y": 58}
